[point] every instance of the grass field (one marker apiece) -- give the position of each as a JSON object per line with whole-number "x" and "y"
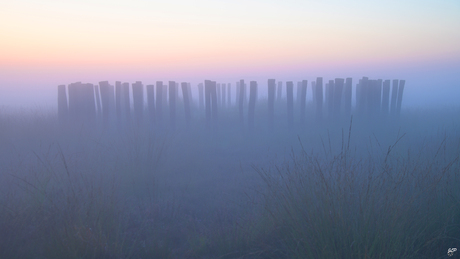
{"x": 351, "y": 189}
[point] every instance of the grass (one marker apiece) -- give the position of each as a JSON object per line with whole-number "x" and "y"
{"x": 322, "y": 191}
{"x": 341, "y": 207}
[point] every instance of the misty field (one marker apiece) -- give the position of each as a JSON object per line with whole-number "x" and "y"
{"x": 357, "y": 188}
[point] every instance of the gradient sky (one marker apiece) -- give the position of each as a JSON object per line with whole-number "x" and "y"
{"x": 44, "y": 43}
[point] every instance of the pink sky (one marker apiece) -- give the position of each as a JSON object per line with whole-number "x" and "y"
{"x": 46, "y": 43}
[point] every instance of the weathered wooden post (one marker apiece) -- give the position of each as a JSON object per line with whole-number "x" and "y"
{"x": 63, "y": 109}
{"x": 214, "y": 102}
{"x": 348, "y": 95}
{"x": 201, "y": 95}
{"x": 159, "y": 103}
{"x": 112, "y": 103}
{"x": 177, "y": 86}
{"x": 237, "y": 94}
{"x": 330, "y": 87}
{"x": 186, "y": 97}
{"x": 363, "y": 94}
{"x": 165, "y": 96}
{"x": 378, "y": 97}
{"x": 105, "y": 99}
{"x": 298, "y": 94}
{"x": 126, "y": 102}
{"x": 118, "y": 95}
{"x": 370, "y": 88}
{"x": 252, "y": 103}
{"x": 90, "y": 105}
{"x": 189, "y": 91}
{"x": 151, "y": 102}
{"x": 290, "y": 103}
{"x": 224, "y": 91}
{"x": 98, "y": 102}
{"x": 394, "y": 96}
{"x": 138, "y": 101}
{"x": 313, "y": 92}
{"x": 207, "y": 91}
{"x": 400, "y": 96}
{"x": 73, "y": 107}
{"x": 358, "y": 94}
{"x": 219, "y": 96}
{"x": 386, "y": 98}
{"x": 245, "y": 92}
{"x": 338, "y": 89}
{"x": 172, "y": 104}
{"x": 319, "y": 98}
{"x": 241, "y": 101}
{"x": 303, "y": 100}
{"x": 271, "y": 102}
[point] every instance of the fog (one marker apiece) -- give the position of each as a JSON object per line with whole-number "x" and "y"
{"x": 428, "y": 85}
{"x": 108, "y": 183}
{"x": 118, "y": 138}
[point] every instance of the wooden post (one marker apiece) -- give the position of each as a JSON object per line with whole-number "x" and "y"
{"x": 378, "y": 97}
{"x": 303, "y": 100}
{"x": 189, "y": 91}
{"x": 348, "y": 95}
{"x": 207, "y": 91}
{"x": 151, "y": 102}
{"x": 201, "y": 95}
{"x": 313, "y": 92}
{"x": 364, "y": 87}
{"x": 214, "y": 102}
{"x": 386, "y": 98}
{"x": 241, "y": 101}
{"x": 298, "y": 94}
{"x": 127, "y": 102}
{"x": 177, "y": 86}
{"x": 98, "y": 102}
{"x": 245, "y": 92}
{"x": 290, "y": 103}
{"x": 330, "y": 87}
{"x": 159, "y": 103}
{"x": 71, "y": 90}
{"x": 252, "y": 104}
{"x": 237, "y": 94}
{"x": 118, "y": 95}
{"x": 358, "y": 94}
{"x": 319, "y": 98}
{"x": 185, "y": 95}
{"x": 63, "y": 109}
{"x": 271, "y": 102}
{"x": 219, "y": 96}
{"x": 105, "y": 99}
{"x": 394, "y": 96}
{"x": 224, "y": 91}
{"x": 138, "y": 101}
{"x": 90, "y": 105}
{"x": 370, "y": 97}
{"x": 172, "y": 104}
{"x": 400, "y": 96}
{"x": 165, "y": 96}
{"x": 338, "y": 89}
{"x": 112, "y": 103}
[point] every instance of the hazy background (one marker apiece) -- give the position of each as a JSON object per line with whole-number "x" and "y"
{"x": 49, "y": 42}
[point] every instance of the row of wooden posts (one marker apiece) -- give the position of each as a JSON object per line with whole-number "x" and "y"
{"x": 84, "y": 102}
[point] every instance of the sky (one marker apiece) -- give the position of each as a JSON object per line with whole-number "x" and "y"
{"x": 44, "y": 43}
